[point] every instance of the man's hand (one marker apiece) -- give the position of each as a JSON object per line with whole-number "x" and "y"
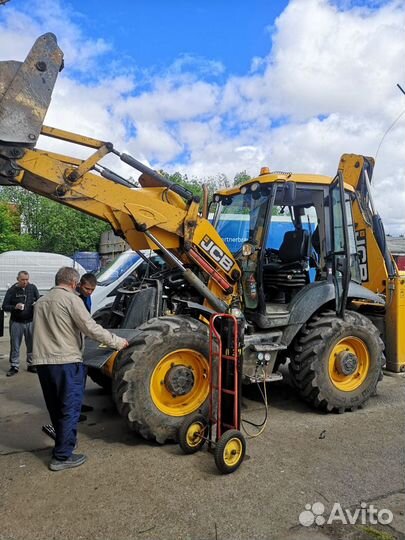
{"x": 19, "y": 306}
{"x": 125, "y": 345}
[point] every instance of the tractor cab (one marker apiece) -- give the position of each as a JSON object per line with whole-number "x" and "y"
{"x": 297, "y": 230}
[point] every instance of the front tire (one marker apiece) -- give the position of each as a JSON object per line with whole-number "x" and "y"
{"x": 335, "y": 363}
{"x": 163, "y": 377}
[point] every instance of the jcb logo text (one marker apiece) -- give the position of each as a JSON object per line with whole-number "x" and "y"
{"x": 362, "y": 253}
{"x": 216, "y": 253}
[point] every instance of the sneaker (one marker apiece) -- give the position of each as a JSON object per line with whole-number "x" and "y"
{"x": 12, "y": 371}
{"x": 32, "y": 369}
{"x": 87, "y": 408}
{"x": 75, "y": 460}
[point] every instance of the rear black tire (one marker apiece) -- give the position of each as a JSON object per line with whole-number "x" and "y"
{"x": 119, "y": 385}
{"x": 310, "y": 354}
{"x": 135, "y": 372}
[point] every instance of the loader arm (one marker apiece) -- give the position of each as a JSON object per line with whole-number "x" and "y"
{"x": 158, "y": 215}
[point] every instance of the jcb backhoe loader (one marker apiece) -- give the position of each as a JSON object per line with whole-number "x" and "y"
{"x": 329, "y": 299}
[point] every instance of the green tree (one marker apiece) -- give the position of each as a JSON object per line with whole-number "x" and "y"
{"x": 240, "y": 178}
{"x": 56, "y": 228}
{"x": 64, "y": 230}
{"x": 10, "y": 237}
{"x": 193, "y": 185}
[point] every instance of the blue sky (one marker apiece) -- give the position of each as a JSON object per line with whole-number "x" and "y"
{"x": 154, "y": 33}
{"x": 213, "y": 88}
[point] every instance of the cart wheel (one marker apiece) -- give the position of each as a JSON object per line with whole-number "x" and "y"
{"x": 192, "y": 433}
{"x": 230, "y": 451}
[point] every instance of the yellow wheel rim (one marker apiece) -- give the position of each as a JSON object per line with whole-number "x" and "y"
{"x": 194, "y": 434}
{"x": 349, "y": 363}
{"x": 232, "y": 452}
{"x": 163, "y": 397}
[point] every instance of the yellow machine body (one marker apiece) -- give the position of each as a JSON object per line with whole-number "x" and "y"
{"x": 156, "y": 215}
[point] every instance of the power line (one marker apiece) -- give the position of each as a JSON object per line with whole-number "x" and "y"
{"x": 392, "y": 125}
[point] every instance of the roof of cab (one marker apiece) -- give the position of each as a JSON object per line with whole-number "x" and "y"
{"x": 275, "y": 177}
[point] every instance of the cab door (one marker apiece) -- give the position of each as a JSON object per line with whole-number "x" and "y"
{"x": 339, "y": 270}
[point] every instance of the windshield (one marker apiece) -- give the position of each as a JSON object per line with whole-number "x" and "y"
{"x": 117, "y": 268}
{"x": 240, "y": 217}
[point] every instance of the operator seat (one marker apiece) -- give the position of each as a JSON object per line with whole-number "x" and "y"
{"x": 294, "y": 247}
{"x": 293, "y": 251}
{"x": 290, "y": 269}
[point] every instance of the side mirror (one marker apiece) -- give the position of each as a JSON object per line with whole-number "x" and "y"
{"x": 290, "y": 193}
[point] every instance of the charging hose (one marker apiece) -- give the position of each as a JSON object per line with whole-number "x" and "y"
{"x": 262, "y": 426}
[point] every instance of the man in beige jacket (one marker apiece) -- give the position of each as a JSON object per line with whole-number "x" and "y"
{"x": 60, "y": 322}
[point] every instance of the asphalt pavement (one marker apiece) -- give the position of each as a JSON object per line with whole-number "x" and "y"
{"x": 304, "y": 468}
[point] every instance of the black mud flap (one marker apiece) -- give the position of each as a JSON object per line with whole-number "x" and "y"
{"x": 96, "y": 354}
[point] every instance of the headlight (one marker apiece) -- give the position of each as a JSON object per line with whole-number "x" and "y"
{"x": 236, "y": 312}
{"x": 247, "y": 249}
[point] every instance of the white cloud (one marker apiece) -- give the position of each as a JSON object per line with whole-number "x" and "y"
{"x": 327, "y": 86}
{"x": 22, "y": 26}
{"x": 199, "y": 65}
{"x": 168, "y": 102}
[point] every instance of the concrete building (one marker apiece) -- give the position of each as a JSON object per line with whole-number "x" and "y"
{"x": 397, "y": 248}
{"x": 111, "y": 246}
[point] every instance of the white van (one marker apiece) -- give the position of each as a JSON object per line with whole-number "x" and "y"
{"x": 41, "y": 267}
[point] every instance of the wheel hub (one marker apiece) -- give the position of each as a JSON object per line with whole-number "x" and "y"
{"x": 347, "y": 363}
{"x": 179, "y": 384}
{"x": 179, "y": 380}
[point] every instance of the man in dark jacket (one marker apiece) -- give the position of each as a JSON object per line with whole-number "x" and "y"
{"x": 19, "y": 302}
{"x": 86, "y": 287}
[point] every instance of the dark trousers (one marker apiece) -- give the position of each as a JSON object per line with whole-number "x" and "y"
{"x": 18, "y": 330}
{"x": 63, "y": 389}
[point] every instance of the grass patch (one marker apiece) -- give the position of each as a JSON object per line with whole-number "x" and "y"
{"x": 375, "y": 533}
